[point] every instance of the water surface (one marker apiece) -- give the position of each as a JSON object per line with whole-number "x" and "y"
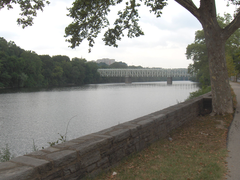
{"x": 40, "y": 114}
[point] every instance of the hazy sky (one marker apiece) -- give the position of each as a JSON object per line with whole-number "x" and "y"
{"x": 163, "y": 45}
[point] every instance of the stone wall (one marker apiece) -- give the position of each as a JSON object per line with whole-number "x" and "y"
{"x": 93, "y": 153}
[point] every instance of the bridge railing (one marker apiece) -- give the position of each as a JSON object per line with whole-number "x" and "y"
{"x": 181, "y": 72}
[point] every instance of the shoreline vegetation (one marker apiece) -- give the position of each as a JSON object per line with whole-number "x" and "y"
{"x": 23, "y": 69}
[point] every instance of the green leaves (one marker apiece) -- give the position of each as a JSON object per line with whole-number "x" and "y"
{"x": 90, "y": 17}
{"x": 156, "y": 6}
{"x": 127, "y": 20}
{"x": 29, "y": 9}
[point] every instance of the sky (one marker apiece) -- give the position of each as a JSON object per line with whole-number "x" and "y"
{"x": 163, "y": 45}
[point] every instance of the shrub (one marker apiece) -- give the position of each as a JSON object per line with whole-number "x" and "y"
{"x": 199, "y": 92}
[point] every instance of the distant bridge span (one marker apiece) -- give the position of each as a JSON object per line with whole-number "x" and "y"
{"x": 145, "y": 72}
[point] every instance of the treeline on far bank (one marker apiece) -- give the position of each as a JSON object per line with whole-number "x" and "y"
{"x": 21, "y": 68}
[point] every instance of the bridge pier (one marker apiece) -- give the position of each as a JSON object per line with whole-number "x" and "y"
{"x": 169, "y": 80}
{"x": 128, "y": 80}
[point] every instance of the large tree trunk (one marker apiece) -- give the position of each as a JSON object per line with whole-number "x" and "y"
{"x": 221, "y": 92}
{"x": 215, "y": 41}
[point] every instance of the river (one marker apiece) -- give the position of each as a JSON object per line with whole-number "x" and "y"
{"x": 40, "y": 115}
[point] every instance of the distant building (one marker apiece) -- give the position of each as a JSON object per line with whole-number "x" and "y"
{"x": 106, "y": 60}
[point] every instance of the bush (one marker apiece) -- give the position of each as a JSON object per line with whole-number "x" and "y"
{"x": 199, "y": 92}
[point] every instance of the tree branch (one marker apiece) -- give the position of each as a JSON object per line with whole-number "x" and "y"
{"x": 208, "y": 6}
{"x": 232, "y": 27}
{"x": 190, "y": 6}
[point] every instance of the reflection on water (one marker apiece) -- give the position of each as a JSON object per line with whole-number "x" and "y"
{"x": 41, "y": 114}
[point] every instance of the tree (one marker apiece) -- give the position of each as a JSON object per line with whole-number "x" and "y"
{"x": 90, "y": 17}
{"x": 92, "y": 76}
{"x": 118, "y": 65}
{"x": 197, "y": 51}
{"x": 32, "y": 67}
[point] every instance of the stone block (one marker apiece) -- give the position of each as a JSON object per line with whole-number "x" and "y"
{"x": 117, "y": 156}
{"x": 141, "y": 145}
{"x": 61, "y": 158}
{"x": 130, "y": 150}
{"x": 105, "y": 143}
{"x": 37, "y": 153}
{"x": 50, "y": 149}
{"x": 146, "y": 123}
{"x": 72, "y": 168}
{"x": 117, "y": 146}
{"x": 120, "y": 135}
{"x": 103, "y": 161}
{"x": 132, "y": 127}
{"x": 41, "y": 164}
{"x": 158, "y": 118}
{"x": 12, "y": 171}
{"x": 77, "y": 175}
{"x": 90, "y": 158}
{"x": 135, "y": 121}
{"x": 65, "y": 145}
{"x": 132, "y": 141}
{"x": 88, "y": 146}
{"x": 91, "y": 168}
{"x": 57, "y": 175}
{"x": 94, "y": 173}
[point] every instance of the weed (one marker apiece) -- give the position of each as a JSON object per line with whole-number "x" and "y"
{"x": 35, "y": 148}
{"x": 63, "y": 138}
{"x": 5, "y": 154}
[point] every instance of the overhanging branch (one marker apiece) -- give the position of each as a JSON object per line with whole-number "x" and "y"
{"x": 232, "y": 27}
{"x": 190, "y": 6}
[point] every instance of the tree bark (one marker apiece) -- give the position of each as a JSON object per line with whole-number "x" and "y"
{"x": 221, "y": 92}
{"x": 215, "y": 38}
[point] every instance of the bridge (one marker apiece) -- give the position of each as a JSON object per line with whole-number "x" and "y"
{"x": 145, "y": 72}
